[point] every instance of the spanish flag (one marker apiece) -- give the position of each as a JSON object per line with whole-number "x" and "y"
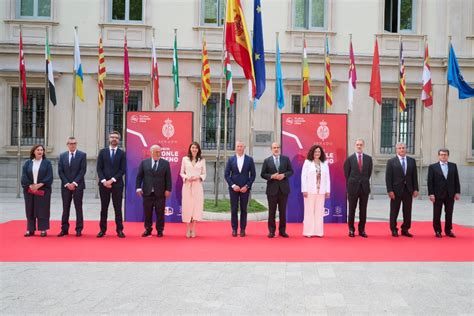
{"x": 237, "y": 40}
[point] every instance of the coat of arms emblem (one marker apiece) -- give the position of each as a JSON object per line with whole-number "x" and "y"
{"x": 168, "y": 129}
{"x": 323, "y": 130}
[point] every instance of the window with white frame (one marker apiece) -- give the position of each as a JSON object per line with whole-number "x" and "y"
{"x": 33, "y": 9}
{"x": 399, "y": 16}
{"x": 309, "y": 14}
{"x": 32, "y": 117}
{"x": 212, "y": 12}
{"x": 388, "y": 127}
{"x": 315, "y": 104}
{"x": 126, "y": 10}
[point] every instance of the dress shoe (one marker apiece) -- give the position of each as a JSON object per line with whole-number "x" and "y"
{"x": 193, "y": 234}
{"x": 363, "y": 234}
{"x": 62, "y": 233}
{"x": 78, "y": 234}
{"x": 159, "y": 234}
{"x": 351, "y": 233}
{"x": 242, "y": 233}
{"x": 234, "y": 233}
{"x": 394, "y": 233}
{"x": 29, "y": 234}
{"x": 438, "y": 234}
{"x": 146, "y": 233}
{"x": 43, "y": 233}
{"x": 284, "y": 235}
{"x": 450, "y": 234}
{"x": 100, "y": 234}
{"x": 120, "y": 234}
{"x": 271, "y": 235}
{"x": 406, "y": 233}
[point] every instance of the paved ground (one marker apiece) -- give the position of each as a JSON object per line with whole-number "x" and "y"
{"x": 352, "y": 288}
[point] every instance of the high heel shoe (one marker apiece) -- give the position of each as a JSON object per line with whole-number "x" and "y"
{"x": 188, "y": 233}
{"x": 193, "y": 234}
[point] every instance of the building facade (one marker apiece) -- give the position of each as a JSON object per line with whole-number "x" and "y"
{"x": 411, "y": 21}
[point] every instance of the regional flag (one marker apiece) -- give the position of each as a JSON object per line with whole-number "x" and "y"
{"x": 375, "y": 85}
{"x": 126, "y": 73}
{"x": 155, "y": 77}
{"x": 175, "y": 72}
{"x": 327, "y": 76}
{"x": 455, "y": 77}
{"x": 427, "y": 90}
{"x": 229, "y": 89}
{"x": 403, "y": 84}
{"x": 237, "y": 40}
{"x": 280, "y": 97}
{"x": 305, "y": 74}
{"x": 22, "y": 71}
{"x": 49, "y": 72}
{"x": 78, "y": 68}
{"x": 351, "y": 84}
{"x": 101, "y": 73}
{"x": 258, "y": 50}
{"x": 205, "y": 75}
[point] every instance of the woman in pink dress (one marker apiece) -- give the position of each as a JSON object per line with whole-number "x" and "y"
{"x": 193, "y": 172}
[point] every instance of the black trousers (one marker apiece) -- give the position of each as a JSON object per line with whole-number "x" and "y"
{"x": 407, "y": 199}
{"x": 362, "y": 198}
{"x": 237, "y": 198}
{"x": 37, "y": 210}
{"x": 448, "y": 210}
{"x": 68, "y": 196}
{"x": 157, "y": 203}
{"x": 105, "y": 194}
{"x": 277, "y": 200}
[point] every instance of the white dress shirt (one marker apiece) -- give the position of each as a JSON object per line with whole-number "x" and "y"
{"x": 240, "y": 162}
{"x": 36, "y": 167}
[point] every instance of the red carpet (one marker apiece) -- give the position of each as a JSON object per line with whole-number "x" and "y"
{"x": 214, "y": 243}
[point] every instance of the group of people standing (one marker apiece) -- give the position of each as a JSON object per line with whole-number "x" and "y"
{"x": 154, "y": 185}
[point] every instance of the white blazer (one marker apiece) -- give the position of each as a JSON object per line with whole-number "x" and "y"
{"x": 308, "y": 178}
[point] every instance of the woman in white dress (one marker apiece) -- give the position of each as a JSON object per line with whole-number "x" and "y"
{"x": 193, "y": 172}
{"x": 316, "y": 187}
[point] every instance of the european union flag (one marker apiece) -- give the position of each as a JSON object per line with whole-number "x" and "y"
{"x": 258, "y": 50}
{"x": 280, "y": 97}
{"x": 455, "y": 78}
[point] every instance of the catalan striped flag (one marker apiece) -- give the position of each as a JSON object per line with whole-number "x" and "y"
{"x": 78, "y": 68}
{"x": 101, "y": 73}
{"x": 327, "y": 76}
{"x": 49, "y": 72}
{"x": 305, "y": 75}
{"x": 205, "y": 75}
{"x": 403, "y": 84}
{"x": 427, "y": 90}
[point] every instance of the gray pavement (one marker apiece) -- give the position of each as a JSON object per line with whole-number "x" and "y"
{"x": 352, "y": 288}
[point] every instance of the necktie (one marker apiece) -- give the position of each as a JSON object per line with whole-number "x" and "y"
{"x": 72, "y": 157}
{"x": 112, "y": 155}
{"x": 277, "y": 163}
{"x": 404, "y": 166}
{"x": 155, "y": 165}
{"x": 359, "y": 161}
{"x": 445, "y": 170}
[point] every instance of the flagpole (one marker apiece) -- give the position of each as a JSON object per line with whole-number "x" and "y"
{"x": 398, "y": 94}
{"x": 177, "y": 75}
{"x": 97, "y": 148}
{"x": 219, "y": 114}
{"x": 73, "y": 110}
{"x": 46, "y": 101}
{"x": 420, "y": 172}
{"x": 152, "y": 74}
{"x": 251, "y": 109}
{"x": 125, "y": 106}
{"x": 225, "y": 144}
{"x": 446, "y": 100}
{"x": 20, "y": 110}
{"x": 302, "y": 78}
{"x": 373, "y": 137}
{"x": 275, "y": 113}
{"x": 324, "y": 73}
{"x": 349, "y": 82}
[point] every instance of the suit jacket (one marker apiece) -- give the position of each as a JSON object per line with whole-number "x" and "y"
{"x": 441, "y": 187}
{"x": 308, "y": 178}
{"x": 106, "y": 169}
{"x": 269, "y": 168}
{"x": 157, "y": 181}
{"x": 74, "y": 172}
{"x": 356, "y": 178}
{"x": 396, "y": 181}
{"x": 45, "y": 174}
{"x": 246, "y": 177}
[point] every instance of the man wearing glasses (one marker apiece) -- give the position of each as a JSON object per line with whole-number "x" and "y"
{"x": 72, "y": 166}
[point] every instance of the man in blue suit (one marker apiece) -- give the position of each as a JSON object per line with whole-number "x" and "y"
{"x": 111, "y": 164}
{"x": 72, "y": 165}
{"x": 240, "y": 175}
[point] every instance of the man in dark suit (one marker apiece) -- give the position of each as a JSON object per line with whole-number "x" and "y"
{"x": 358, "y": 170}
{"x": 72, "y": 165}
{"x": 240, "y": 175}
{"x": 443, "y": 188}
{"x": 111, "y": 166}
{"x": 276, "y": 169}
{"x": 402, "y": 186}
{"x": 154, "y": 185}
